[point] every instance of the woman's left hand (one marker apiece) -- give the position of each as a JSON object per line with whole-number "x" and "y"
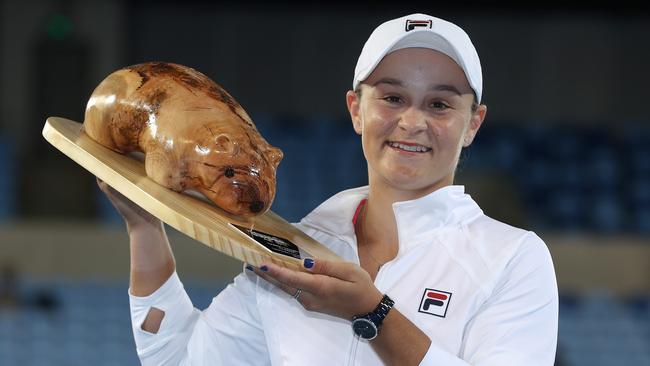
{"x": 342, "y": 289}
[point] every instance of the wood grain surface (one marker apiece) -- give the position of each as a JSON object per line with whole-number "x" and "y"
{"x": 189, "y": 214}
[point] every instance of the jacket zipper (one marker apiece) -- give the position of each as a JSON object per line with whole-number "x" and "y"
{"x": 352, "y": 354}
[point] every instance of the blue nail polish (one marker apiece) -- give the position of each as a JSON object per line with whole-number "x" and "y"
{"x": 308, "y": 263}
{"x": 264, "y": 268}
{"x": 249, "y": 267}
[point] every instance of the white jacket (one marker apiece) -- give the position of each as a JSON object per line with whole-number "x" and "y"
{"x": 484, "y": 292}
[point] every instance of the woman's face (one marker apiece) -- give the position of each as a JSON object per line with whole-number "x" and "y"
{"x": 414, "y": 115}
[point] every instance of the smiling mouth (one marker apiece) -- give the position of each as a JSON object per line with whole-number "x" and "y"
{"x": 409, "y": 147}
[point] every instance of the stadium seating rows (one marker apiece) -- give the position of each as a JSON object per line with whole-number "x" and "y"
{"x": 70, "y": 323}
{"x": 88, "y": 323}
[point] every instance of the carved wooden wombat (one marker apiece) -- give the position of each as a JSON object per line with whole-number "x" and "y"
{"x": 193, "y": 133}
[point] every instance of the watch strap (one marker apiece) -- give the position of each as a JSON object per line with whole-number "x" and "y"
{"x": 383, "y": 308}
{"x": 377, "y": 316}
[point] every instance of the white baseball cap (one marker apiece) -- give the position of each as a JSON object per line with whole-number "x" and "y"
{"x": 422, "y": 31}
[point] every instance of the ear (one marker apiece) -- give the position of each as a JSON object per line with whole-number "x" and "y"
{"x": 474, "y": 124}
{"x": 353, "y": 102}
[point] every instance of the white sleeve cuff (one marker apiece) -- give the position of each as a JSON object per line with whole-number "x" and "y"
{"x": 437, "y": 356}
{"x": 173, "y": 300}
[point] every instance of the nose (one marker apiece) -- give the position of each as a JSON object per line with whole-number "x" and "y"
{"x": 256, "y": 206}
{"x": 413, "y": 120}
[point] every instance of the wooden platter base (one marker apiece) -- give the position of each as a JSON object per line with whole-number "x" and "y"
{"x": 267, "y": 237}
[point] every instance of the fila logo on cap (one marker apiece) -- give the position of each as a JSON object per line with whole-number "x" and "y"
{"x": 412, "y": 24}
{"x": 435, "y": 302}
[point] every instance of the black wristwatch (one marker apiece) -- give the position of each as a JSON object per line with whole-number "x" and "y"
{"x": 367, "y": 326}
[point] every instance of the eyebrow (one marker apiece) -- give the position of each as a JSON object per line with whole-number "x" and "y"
{"x": 445, "y": 87}
{"x": 389, "y": 81}
{"x": 437, "y": 87}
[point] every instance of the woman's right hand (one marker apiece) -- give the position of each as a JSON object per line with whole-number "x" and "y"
{"x": 134, "y": 216}
{"x": 152, "y": 261}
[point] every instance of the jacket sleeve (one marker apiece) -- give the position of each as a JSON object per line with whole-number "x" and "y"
{"x": 518, "y": 323}
{"x": 228, "y": 330}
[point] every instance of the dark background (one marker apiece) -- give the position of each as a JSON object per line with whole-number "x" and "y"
{"x": 557, "y": 67}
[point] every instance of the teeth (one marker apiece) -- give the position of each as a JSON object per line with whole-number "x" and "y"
{"x": 412, "y": 148}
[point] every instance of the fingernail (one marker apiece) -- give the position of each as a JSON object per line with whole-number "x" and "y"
{"x": 308, "y": 263}
{"x": 264, "y": 268}
{"x": 249, "y": 267}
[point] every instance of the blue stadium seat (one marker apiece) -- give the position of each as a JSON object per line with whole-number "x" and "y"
{"x": 565, "y": 209}
{"x": 642, "y": 220}
{"x": 321, "y": 158}
{"x": 606, "y": 213}
{"x": 601, "y": 331}
{"x": 8, "y": 176}
{"x": 603, "y": 168}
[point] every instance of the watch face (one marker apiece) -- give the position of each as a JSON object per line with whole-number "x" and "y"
{"x": 364, "y": 328}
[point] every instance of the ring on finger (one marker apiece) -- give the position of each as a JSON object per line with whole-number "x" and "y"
{"x": 297, "y": 294}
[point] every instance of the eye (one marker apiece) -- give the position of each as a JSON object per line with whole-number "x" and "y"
{"x": 229, "y": 172}
{"x": 223, "y": 144}
{"x": 392, "y": 99}
{"x": 439, "y": 105}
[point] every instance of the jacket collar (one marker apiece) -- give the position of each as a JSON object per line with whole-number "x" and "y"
{"x": 447, "y": 206}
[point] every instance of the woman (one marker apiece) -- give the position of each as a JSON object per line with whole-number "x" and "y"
{"x": 429, "y": 280}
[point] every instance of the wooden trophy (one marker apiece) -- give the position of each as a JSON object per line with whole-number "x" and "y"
{"x": 175, "y": 117}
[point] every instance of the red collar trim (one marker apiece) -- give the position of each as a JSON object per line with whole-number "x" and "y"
{"x": 358, "y": 210}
